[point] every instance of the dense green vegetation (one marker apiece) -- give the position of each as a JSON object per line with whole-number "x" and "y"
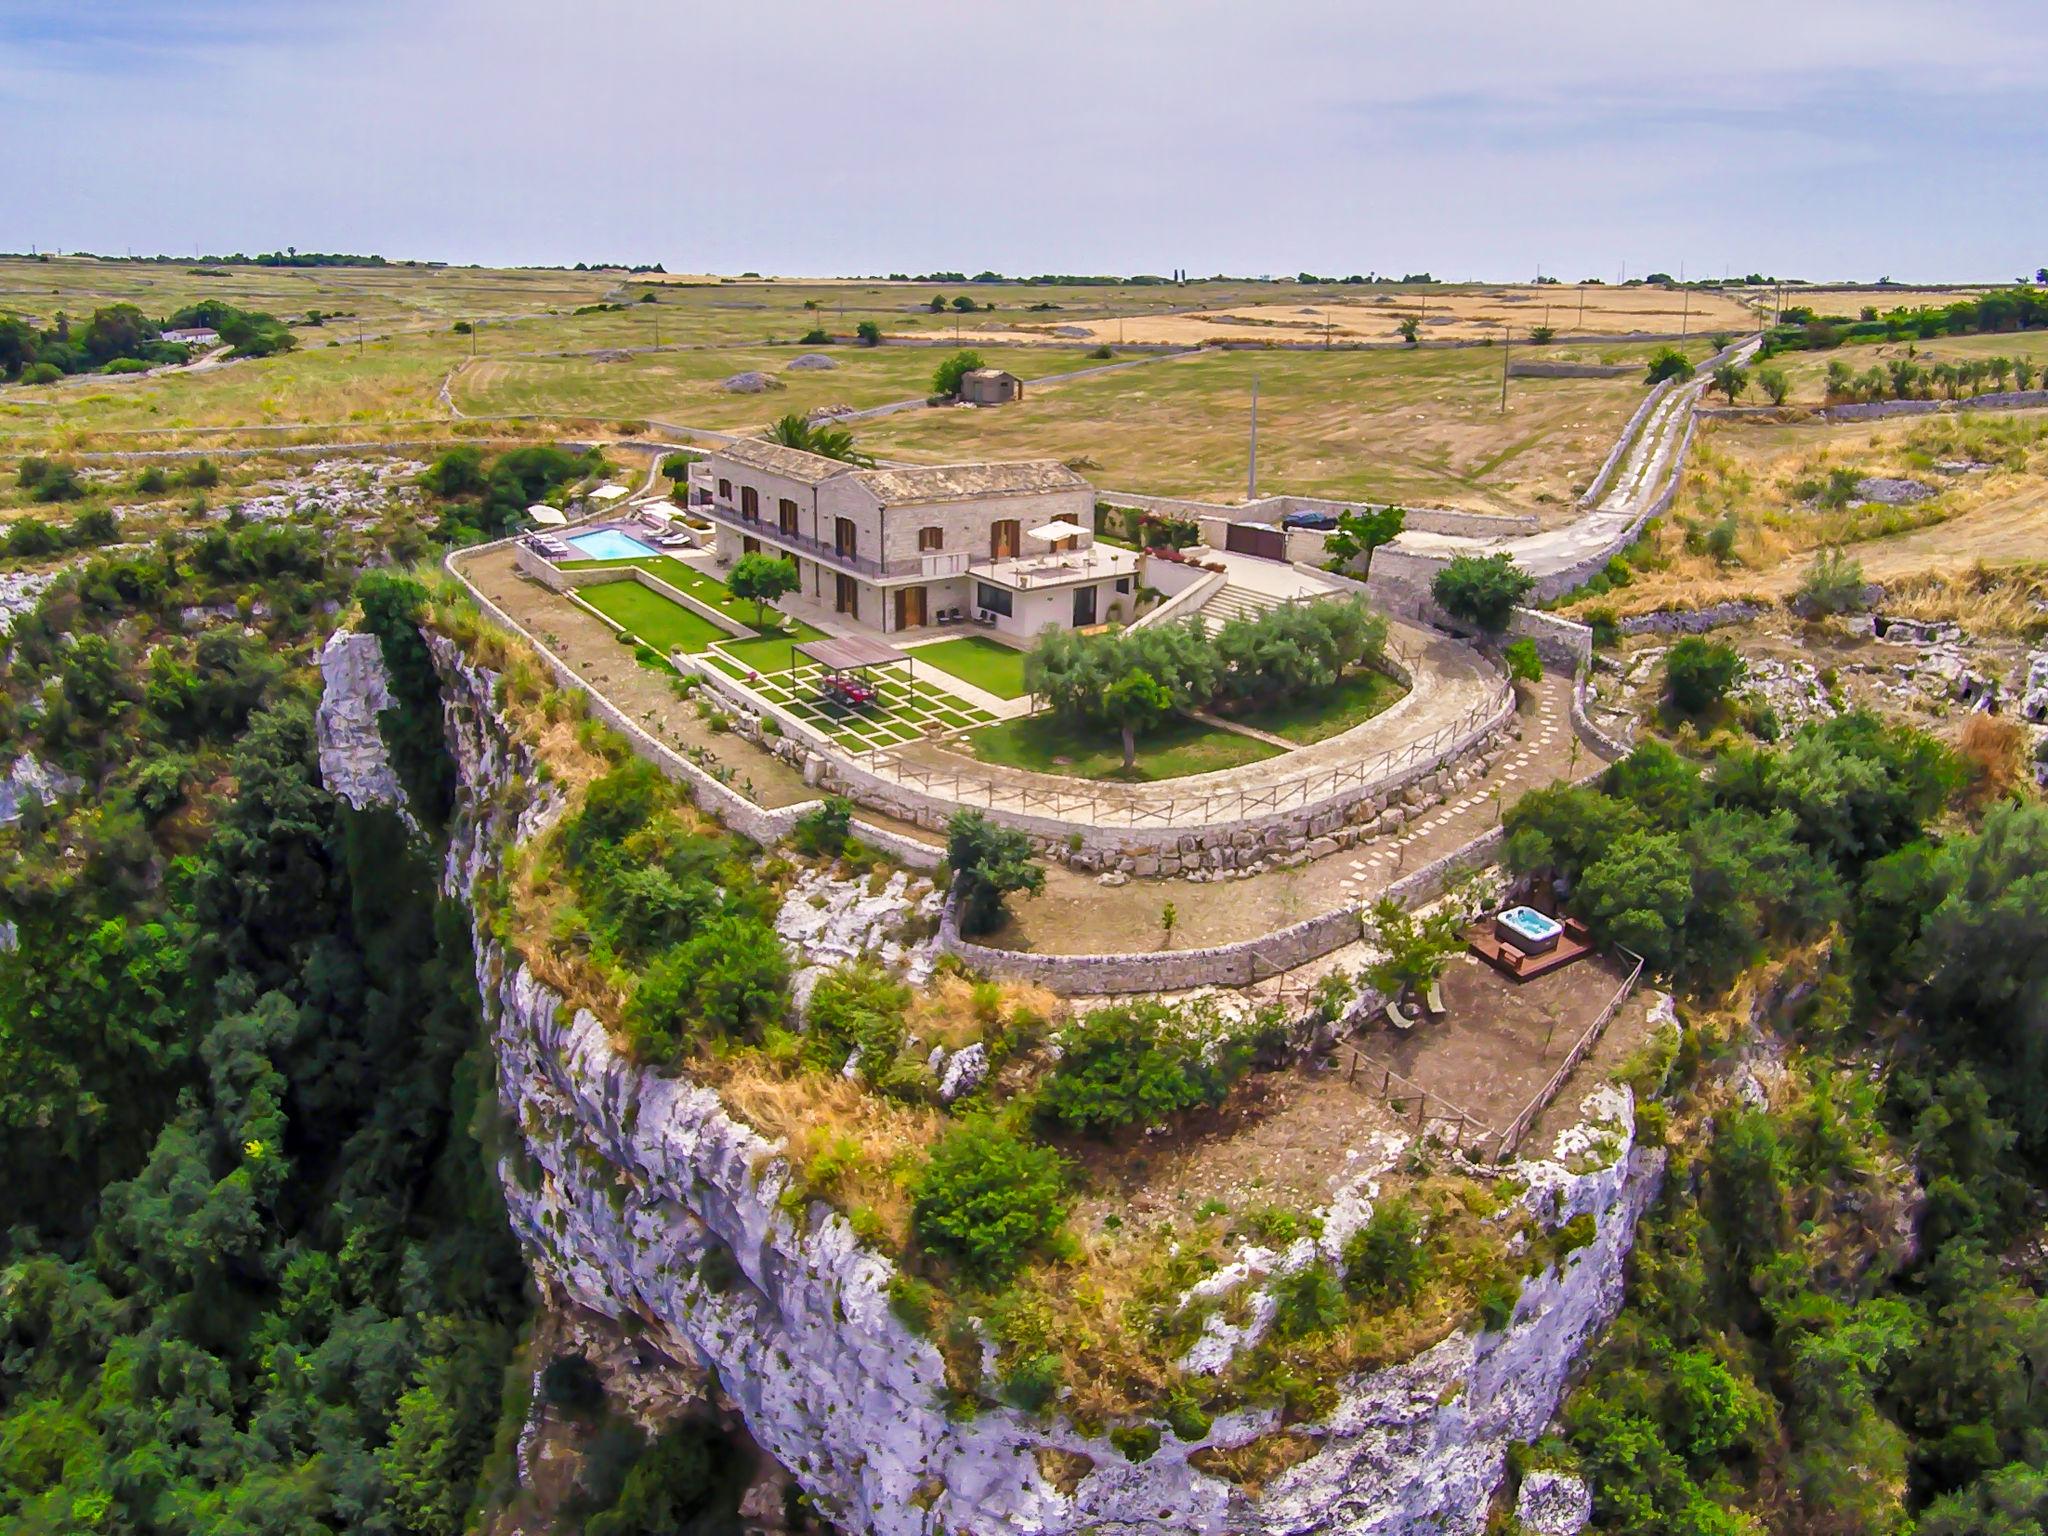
{"x": 487, "y": 498}
{"x": 2011, "y": 309}
{"x": 1834, "y": 1319}
{"x": 256, "y": 1275}
{"x": 120, "y": 338}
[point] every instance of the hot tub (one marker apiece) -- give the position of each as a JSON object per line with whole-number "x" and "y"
{"x": 1527, "y": 929}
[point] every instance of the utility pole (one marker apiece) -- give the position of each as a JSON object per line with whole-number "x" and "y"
{"x": 1582, "y": 309}
{"x": 1251, "y": 481}
{"x": 1507, "y": 337}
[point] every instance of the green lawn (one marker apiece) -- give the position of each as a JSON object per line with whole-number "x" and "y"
{"x": 1174, "y": 750}
{"x": 661, "y": 622}
{"x": 988, "y": 664}
{"x": 706, "y": 589}
{"x": 1315, "y": 717}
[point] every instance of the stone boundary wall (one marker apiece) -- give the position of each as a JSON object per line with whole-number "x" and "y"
{"x": 1519, "y": 370}
{"x": 1271, "y": 509}
{"x": 763, "y": 825}
{"x": 1601, "y": 741}
{"x": 1691, "y": 621}
{"x": 1612, "y": 462}
{"x": 1876, "y": 410}
{"x": 1222, "y": 965}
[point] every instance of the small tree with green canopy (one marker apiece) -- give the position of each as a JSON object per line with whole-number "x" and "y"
{"x": 1411, "y": 330}
{"x": 870, "y": 334}
{"x": 1731, "y": 379}
{"x": 1415, "y": 950}
{"x": 988, "y": 863}
{"x": 946, "y": 379}
{"x": 989, "y": 1199}
{"x": 1775, "y": 384}
{"x": 1359, "y": 534}
{"x": 1482, "y": 589}
{"x": 1700, "y": 672}
{"x": 1135, "y": 702}
{"x": 760, "y": 579}
{"x": 1525, "y": 663}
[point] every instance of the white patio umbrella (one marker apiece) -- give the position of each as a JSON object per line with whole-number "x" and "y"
{"x": 546, "y": 516}
{"x": 1058, "y": 529}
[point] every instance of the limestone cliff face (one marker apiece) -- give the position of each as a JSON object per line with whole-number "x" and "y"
{"x": 640, "y": 1197}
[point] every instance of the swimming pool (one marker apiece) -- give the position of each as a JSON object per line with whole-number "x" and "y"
{"x": 610, "y": 544}
{"x": 1527, "y": 929}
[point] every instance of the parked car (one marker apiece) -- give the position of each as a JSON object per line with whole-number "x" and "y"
{"x": 1322, "y": 521}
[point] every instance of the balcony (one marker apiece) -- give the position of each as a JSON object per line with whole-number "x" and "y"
{"x": 931, "y": 566}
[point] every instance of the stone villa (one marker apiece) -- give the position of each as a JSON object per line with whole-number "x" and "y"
{"x": 1010, "y": 546}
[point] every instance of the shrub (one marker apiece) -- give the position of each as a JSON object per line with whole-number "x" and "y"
{"x": 1833, "y": 584}
{"x": 823, "y": 832}
{"x": 989, "y": 1199}
{"x": 1700, "y": 672}
{"x": 1307, "y": 1301}
{"x": 1482, "y": 589}
{"x": 731, "y": 976}
{"x": 870, "y": 334}
{"x": 1525, "y": 665}
{"x": 1385, "y": 1258}
{"x": 1135, "y": 1442}
{"x": 816, "y": 336}
{"x": 1497, "y": 1305}
{"x": 988, "y": 863}
{"x": 48, "y": 480}
{"x": 1123, "y": 1066}
{"x": 1033, "y": 1381}
{"x": 200, "y": 475}
{"x": 152, "y": 482}
{"x": 1668, "y": 363}
{"x": 857, "y": 1007}
{"x": 41, "y": 373}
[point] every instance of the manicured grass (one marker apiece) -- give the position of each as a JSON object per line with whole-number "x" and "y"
{"x": 666, "y": 625}
{"x": 988, "y": 664}
{"x": 706, "y": 589}
{"x": 1173, "y": 750}
{"x": 769, "y": 654}
{"x": 1312, "y": 717}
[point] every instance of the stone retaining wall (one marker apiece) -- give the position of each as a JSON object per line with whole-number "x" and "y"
{"x": 764, "y": 825}
{"x": 1217, "y": 516}
{"x": 1518, "y": 369}
{"x": 1691, "y": 621}
{"x": 1876, "y": 410}
{"x": 1222, "y": 965}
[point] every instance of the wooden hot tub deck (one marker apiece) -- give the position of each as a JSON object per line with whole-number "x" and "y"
{"x": 1573, "y": 944}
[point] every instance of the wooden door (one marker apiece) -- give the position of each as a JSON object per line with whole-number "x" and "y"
{"x": 846, "y": 595}
{"x": 910, "y": 609}
{"x": 1260, "y": 539}
{"x": 1003, "y": 540}
{"x": 845, "y": 536}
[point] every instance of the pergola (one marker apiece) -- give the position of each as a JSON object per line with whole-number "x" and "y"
{"x": 842, "y": 657}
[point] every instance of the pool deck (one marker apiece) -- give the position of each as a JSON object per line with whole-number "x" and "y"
{"x": 1571, "y": 946}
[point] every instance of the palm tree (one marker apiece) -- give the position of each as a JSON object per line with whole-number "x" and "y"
{"x": 797, "y": 431}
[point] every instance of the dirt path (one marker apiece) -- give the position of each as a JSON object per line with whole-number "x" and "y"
{"x": 1076, "y": 915}
{"x": 639, "y": 692}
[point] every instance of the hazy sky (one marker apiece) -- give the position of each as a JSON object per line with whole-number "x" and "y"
{"x": 1815, "y": 138}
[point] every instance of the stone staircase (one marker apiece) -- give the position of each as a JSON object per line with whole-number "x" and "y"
{"x": 1230, "y": 601}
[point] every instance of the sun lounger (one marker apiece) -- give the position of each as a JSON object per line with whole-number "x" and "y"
{"x": 1433, "y": 1000}
{"x": 1398, "y": 1019}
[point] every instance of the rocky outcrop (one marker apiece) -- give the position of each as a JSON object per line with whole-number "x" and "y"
{"x": 32, "y": 779}
{"x": 356, "y": 688}
{"x": 642, "y": 1198}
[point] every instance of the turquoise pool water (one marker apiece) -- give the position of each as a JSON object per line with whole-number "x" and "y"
{"x": 610, "y": 544}
{"x": 1530, "y": 924}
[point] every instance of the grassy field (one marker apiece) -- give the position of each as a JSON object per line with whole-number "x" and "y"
{"x": 686, "y": 387}
{"x": 1176, "y": 749}
{"x": 1421, "y": 426}
{"x": 988, "y": 664}
{"x": 1762, "y": 478}
{"x": 1309, "y": 718}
